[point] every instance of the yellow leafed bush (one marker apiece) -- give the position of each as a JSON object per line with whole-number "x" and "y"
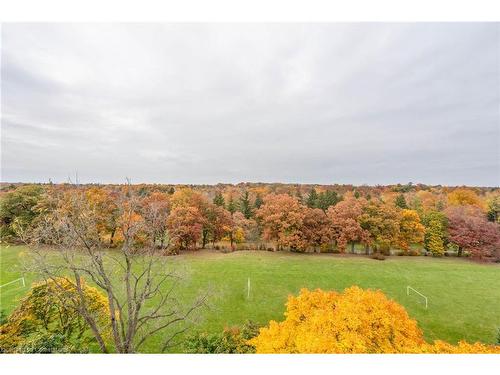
{"x": 355, "y": 321}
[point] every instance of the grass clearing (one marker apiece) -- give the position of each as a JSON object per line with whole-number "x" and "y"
{"x": 464, "y": 297}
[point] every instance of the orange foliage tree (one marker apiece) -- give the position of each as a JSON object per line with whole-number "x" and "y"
{"x": 282, "y": 217}
{"x": 355, "y": 321}
{"x": 316, "y": 229}
{"x": 184, "y": 227}
{"x": 344, "y": 218}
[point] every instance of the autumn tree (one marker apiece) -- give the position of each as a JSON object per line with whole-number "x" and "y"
{"x": 218, "y": 223}
{"x": 382, "y": 222}
{"x": 185, "y": 226}
{"x": 155, "y": 210}
{"x": 316, "y": 228}
{"x": 103, "y": 202}
{"x": 187, "y": 197}
{"x": 464, "y": 197}
{"x": 435, "y": 240}
{"x": 411, "y": 230}
{"x": 282, "y": 217}
{"x": 470, "y": 231}
{"x": 355, "y": 321}
{"x": 52, "y": 307}
{"x": 345, "y": 225}
{"x": 17, "y": 210}
{"x": 140, "y": 288}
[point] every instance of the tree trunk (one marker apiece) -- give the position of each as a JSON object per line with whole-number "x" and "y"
{"x": 112, "y": 237}
{"x": 204, "y": 239}
{"x": 352, "y": 247}
{"x": 460, "y": 251}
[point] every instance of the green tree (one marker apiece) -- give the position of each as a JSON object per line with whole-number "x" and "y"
{"x": 298, "y": 195}
{"x": 401, "y": 201}
{"x": 258, "y": 201}
{"x": 219, "y": 200}
{"x": 327, "y": 199}
{"x": 245, "y": 206}
{"x": 312, "y": 199}
{"x": 494, "y": 209}
{"x": 231, "y": 206}
{"x": 17, "y": 210}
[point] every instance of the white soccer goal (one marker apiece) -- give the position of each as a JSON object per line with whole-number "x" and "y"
{"x": 409, "y": 288}
{"x": 248, "y": 288}
{"x": 20, "y": 280}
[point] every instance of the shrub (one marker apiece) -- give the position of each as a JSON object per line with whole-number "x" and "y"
{"x": 378, "y": 256}
{"x": 51, "y": 343}
{"x": 3, "y": 317}
{"x": 231, "y": 340}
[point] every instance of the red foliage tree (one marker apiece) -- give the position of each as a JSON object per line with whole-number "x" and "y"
{"x": 316, "y": 228}
{"x": 345, "y": 225}
{"x": 469, "y": 229}
{"x": 184, "y": 226}
{"x": 282, "y": 217}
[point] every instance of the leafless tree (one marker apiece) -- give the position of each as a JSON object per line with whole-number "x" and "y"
{"x": 141, "y": 286}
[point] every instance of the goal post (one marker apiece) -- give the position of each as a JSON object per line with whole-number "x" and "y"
{"x": 410, "y": 289}
{"x": 21, "y": 280}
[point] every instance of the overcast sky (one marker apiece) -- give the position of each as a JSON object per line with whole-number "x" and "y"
{"x": 208, "y": 103}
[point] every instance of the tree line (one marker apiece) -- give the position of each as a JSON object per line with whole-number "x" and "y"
{"x": 185, "y": 218}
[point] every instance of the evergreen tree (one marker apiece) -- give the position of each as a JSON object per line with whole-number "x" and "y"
{"x": 327, "y": 199}
{"x": 258, "y": 201}
{"x": 171, "y": 190}
{"x": 219, "y": 200}
{"x": 401, "y": 201}
{"x": 245, "y": 206}
{"x": 312, "y": 199}
{"x": 299, "y": 196}
{"x": 356, "y": 194}
{"x": 231, "y": 206}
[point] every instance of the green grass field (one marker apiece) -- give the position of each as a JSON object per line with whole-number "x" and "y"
{"x": 464, "y": 297}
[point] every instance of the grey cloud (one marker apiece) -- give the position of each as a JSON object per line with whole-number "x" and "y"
{"x": 206, "y": 103}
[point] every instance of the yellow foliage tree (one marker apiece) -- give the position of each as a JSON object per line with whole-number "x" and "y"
{"x": 411, "y": 229}
{"x": 52, "y": 307}
{"x": 355, "y": 321}
{"x": 463, "y": 197}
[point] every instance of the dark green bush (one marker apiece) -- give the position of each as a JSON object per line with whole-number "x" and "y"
{"x": 378, "y": 256}
{"x": 231, "y": 340}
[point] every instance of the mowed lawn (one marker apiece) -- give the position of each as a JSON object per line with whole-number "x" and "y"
{"x": 464, "y": 297}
